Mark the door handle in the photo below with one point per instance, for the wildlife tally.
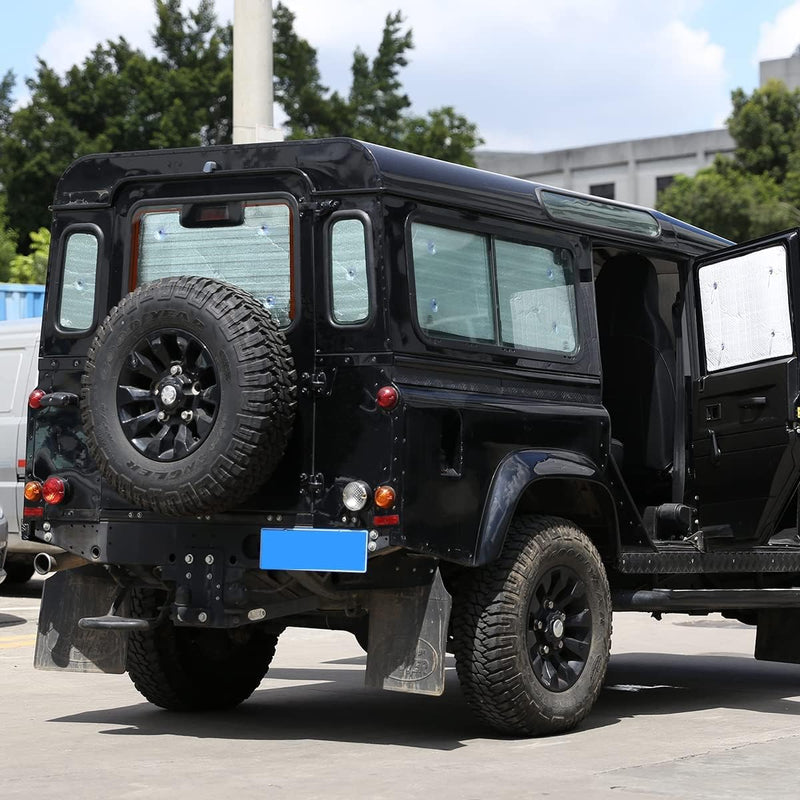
(716, 453)
(753, 402)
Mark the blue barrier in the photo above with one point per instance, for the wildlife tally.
(21, 300)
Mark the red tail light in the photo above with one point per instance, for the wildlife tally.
(35, 398)
(54, 490)
(387, 397)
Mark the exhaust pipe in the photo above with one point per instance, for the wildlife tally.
(44, 563)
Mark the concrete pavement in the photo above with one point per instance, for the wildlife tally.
(686, 713)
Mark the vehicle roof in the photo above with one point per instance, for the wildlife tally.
(337, 166)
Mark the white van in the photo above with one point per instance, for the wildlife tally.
(19, 351)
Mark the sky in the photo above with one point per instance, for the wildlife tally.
(534, 75)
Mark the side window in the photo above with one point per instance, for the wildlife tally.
(76, 305)
(453, 283)
(744, 302)
(349, 284)
(480, 288)
(536, 297)
(254, 253)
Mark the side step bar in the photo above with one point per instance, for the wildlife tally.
(704, 599)
(687, 560)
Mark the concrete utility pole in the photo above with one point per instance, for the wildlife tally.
(252, 73)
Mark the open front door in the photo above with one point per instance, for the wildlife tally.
(746, 447)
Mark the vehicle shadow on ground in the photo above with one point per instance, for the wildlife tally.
(10, 620)
(32, 588)
(332, 705)
(645, 684)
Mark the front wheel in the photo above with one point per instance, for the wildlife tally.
(532, 630)
(195, 669)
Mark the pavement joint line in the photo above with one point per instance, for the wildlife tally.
(19, 608)
(17, 637)
(712, 750)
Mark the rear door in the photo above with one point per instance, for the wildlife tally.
(745, 443)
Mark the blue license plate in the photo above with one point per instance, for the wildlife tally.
(314, 549)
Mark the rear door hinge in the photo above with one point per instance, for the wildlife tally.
(319, 208)
(312, 485)
(316, 382)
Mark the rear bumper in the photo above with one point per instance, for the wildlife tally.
(19, 546)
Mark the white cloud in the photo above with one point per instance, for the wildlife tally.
(532, 74)
(85, 23)
(780, 38)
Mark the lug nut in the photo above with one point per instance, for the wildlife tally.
(186, 416)
(175, 369)
(550, 604)
(161, 416)
(539, 625)
(545, 649)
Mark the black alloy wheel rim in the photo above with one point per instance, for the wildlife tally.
(559, 628)
(168, 395)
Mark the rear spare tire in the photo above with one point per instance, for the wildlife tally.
(188, 396)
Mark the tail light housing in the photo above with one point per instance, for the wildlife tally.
(54, 490)
(35, 398)
(387, 398)
(33, 491)
(384, 497)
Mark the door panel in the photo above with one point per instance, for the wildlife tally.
(745, 386)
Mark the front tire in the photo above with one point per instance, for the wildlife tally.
(532, 630)
(195, 669)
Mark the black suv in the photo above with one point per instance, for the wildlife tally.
(328, 384)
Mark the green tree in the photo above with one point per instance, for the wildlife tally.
(758, 190)
(376, 108)
(766, 128)
(731, 202)
(119, 99)
(32, 267)
(8, 243)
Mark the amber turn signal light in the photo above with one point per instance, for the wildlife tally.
(54, 490)
(33, 491)
(384, 497)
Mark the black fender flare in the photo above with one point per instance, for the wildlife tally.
(514, 474)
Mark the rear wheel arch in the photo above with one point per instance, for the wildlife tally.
(563, 484)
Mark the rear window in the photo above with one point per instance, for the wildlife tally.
(251, 249)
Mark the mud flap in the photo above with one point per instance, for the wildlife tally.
(407, 638)
(778, 635)
(60, 643)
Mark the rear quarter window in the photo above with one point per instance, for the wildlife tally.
(78, 284)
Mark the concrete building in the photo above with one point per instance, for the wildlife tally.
(633, 171)
(781, 69)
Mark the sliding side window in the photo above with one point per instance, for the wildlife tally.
(483, 289)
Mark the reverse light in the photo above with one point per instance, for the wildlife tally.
(35, 398)
(384, 497)
(355, 495)
(33, 491)
(54, 490)
(387, 398)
